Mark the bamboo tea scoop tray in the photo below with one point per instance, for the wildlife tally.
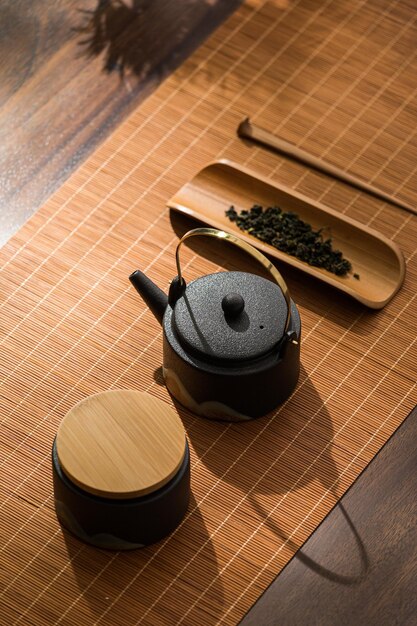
(377, 260)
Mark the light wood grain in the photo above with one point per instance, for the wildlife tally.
(121, 444)
(377, 260)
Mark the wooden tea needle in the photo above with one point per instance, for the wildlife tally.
(259, 135)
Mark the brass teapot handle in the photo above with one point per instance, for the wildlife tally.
(240, 243)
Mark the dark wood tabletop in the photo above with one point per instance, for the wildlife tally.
(359, 566)
(70, 72)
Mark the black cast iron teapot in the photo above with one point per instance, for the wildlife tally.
(231, 339)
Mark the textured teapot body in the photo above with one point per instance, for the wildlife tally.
(239, 386)
(231, 340)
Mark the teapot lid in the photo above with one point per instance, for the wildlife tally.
(230, 317)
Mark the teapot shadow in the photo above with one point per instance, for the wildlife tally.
(158, 376)
(103, 575)
(277, 455)
(298, 439)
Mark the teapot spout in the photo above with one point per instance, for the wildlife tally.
(154, 297)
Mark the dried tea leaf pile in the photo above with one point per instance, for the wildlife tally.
(287, 232)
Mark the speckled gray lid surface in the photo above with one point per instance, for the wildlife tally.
(205, 330)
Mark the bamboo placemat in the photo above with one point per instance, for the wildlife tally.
(338, 78)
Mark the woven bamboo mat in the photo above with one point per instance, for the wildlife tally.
(338, 78)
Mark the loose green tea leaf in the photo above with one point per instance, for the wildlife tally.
(285, 231)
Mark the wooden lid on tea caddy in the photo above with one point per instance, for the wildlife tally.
(121, 444)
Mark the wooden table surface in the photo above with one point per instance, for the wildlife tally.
(70, 72)
(67, 79)
(359, 566)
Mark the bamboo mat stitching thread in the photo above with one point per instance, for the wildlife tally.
(82, 547)
(355, 82)
(355, 118)
(413, 171)
(342, 96)
(294, 486)
(127, 211)
(126, 252)
(226, 566)
(308, 59)
(263, 475)
(327, 492)
(289, 445)
(198, 461)
(231, 607)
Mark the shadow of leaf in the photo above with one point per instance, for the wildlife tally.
(141, 37)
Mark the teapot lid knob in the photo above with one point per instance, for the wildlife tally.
(220, 234)
(233, 304)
